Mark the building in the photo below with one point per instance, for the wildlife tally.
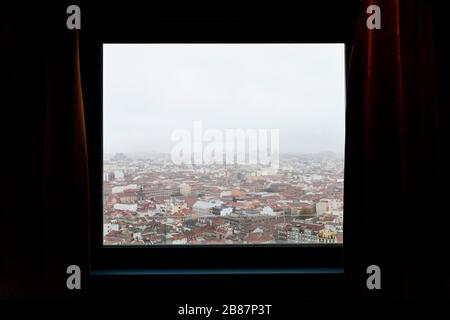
(226, 211)
(160, 193)
(108, 176)
(120, 189)
(119, 175)
(125, 207)
(327, 236)
(128, 196)
(108, 227)
(185, 189)
(268, 211)
(203, 208)
(323, 206)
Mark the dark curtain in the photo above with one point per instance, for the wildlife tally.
(396, 214)
(45, 214)
(66, 188)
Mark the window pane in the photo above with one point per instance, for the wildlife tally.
(234, 144)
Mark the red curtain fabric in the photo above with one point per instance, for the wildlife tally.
(393, 155)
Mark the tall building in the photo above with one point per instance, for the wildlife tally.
(322, 206)
(185, 189)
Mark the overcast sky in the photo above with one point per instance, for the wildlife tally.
(149, 90)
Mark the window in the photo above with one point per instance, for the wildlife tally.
(223, 144)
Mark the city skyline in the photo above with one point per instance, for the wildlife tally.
(147, 202)
(223, 144)
(152, 153)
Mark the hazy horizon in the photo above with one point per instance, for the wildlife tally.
(143, 155)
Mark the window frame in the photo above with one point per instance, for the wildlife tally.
(252, 258)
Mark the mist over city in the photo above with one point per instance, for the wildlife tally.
(223, 144)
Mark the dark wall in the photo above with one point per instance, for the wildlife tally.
(36, 50)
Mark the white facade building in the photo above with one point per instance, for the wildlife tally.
(125, 207)
(108, 227)
(268, 211)
(226, 211)
(120, 189)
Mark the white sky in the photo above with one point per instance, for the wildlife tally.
(149, 90)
